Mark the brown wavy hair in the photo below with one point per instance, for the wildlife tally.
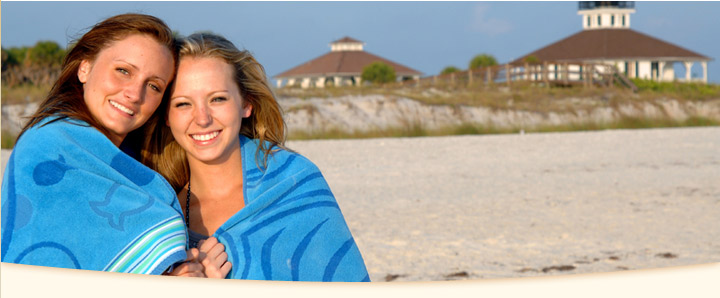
(164, 155)
(65, 99)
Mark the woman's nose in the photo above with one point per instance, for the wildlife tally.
(133, 92)
(202, 116)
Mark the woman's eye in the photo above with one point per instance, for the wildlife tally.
(156, 88)
(181, 104)
(219, 99)
(122, 71)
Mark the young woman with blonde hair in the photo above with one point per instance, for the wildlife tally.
(222, 148)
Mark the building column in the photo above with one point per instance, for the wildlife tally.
(305, 83)
(704, 67)
(667, 71)
(279, 83)
(688, 66)
(337, 81)
(358, 81)
(660, 71)
(320, 83)
(291, 82)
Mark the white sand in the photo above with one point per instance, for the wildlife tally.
(513, 205)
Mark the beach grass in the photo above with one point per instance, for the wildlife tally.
(7, 141)
(418, 130)
(24, 93)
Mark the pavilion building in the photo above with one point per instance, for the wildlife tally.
(607, 39)
(342, 66)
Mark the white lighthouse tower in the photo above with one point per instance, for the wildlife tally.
(606, 14)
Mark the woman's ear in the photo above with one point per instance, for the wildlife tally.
(83, 71)
(247, 110)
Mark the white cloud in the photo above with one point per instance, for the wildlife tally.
(488, 25)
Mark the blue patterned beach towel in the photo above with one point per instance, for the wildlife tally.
(72, 199)
(291, 227)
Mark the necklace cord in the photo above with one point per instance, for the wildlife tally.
(187, 208)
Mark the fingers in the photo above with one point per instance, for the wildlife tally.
(189, 269)
(207, 244)
(225, 269)
(221, 258)
(216, 250)
(193, 254)
(212, 252)
(214, 258)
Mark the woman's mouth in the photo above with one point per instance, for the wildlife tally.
(122, 108)
(206, 136)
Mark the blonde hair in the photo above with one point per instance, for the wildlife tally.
(163, 154)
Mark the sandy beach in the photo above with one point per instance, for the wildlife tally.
(493, 206)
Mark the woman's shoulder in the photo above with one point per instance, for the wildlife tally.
(57, 124)
(48, 129)
(56, 131)
(279, 156)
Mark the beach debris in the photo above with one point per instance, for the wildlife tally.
(667, 255)
(558, 268)
(461, 274)
(391, 277)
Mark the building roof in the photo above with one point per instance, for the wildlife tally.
(611, 44)
(343, 63)
(347, 39)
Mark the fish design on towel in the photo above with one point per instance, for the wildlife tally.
(291, 227)
(72, 199)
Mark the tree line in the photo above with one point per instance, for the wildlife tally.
(379, 72)
(40, 65)
(36, 65)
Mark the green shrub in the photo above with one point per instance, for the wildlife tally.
(685, 90)
(532, 59)
(8, 139)
(482, 60)
(449, 69)
(378, 72)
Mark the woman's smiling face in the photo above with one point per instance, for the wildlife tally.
(125, 83)
(206, 109)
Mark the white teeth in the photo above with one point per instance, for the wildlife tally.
(122, 108)
(205, 137)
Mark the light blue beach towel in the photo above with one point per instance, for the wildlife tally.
(291, 227)
(72, 199)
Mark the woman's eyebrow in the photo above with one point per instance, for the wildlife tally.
(155, 77)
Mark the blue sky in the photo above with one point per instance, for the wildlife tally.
(426, 36)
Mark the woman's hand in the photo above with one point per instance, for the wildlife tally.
(214, 258)
(191, 267)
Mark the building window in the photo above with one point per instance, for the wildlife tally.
(612, 20)
(588, 21)
(637, 69)
(599, 21)
(623, 20)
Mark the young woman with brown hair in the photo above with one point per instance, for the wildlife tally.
(70, 197)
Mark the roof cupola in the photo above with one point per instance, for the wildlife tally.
(346, 44)
(606, 14)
